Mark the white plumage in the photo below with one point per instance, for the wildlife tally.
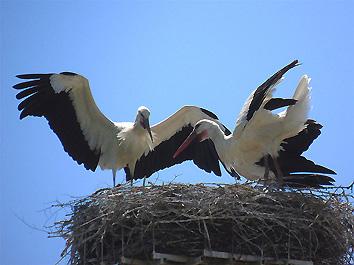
(268, 145)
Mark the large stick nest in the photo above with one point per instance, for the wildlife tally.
(186, 219)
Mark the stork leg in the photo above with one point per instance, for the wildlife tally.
(114, 172)
(129, 174)
(266, 170)
(234, 174)
(279, 173)
(144, 181)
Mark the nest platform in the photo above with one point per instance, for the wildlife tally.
(208, 224)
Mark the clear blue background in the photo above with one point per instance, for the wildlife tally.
(162, 54)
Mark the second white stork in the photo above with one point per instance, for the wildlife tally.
(92, 139)
(267, 145)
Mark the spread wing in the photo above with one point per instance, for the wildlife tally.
(65, 100)
(261, 99)
(169, 135)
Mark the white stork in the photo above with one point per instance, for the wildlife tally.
(265, 144)
(90, 138)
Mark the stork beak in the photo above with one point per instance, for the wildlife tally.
(146, 126)
(185, 144)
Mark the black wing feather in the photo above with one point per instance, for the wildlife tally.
(307, 180)
(302, 141)
(291, 161)
(261, 92)
(276, 103)
(26, 92)
(213, 115)
(34, 76)
(203, 154)
(41, 100)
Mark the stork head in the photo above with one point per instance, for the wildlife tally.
(201, 131)
(142, 119)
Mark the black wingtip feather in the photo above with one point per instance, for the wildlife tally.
(209, 113)
(33, 76)
(27, 92)
(26, 84)
(326, 170)
(22, 115)
(68, 73)
(314, 124)
(261, 91)
(276, 103)
(308, 181)
(27, 102)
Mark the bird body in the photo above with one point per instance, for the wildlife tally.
(265, 132)
(92, 139)
(259, 146)
(122, 150)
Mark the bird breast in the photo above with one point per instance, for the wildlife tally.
(130, 144)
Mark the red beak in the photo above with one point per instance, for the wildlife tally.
(185, 144)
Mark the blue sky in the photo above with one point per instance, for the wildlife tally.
(161, 54)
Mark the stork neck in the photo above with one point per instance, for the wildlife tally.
(217, 135)
(137, 127)
(137, 124)
(222, 142)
